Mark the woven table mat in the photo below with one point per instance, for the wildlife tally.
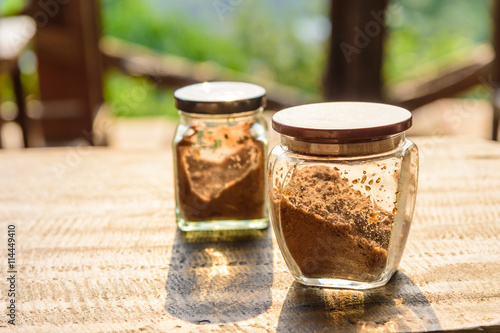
(97, 249)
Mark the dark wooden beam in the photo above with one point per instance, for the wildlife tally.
(474, 69)
(173, 72)
(496, 69)
(22, 118)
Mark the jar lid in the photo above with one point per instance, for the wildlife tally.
(341, 121)
(220, 97)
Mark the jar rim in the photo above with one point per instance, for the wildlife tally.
(343, 149)
(339, 122)
(221, 97)
(232, 115)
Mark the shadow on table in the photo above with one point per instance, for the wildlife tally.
(398, 306)
(221, 276)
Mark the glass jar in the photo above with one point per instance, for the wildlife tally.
(342, 186)
(219, 151)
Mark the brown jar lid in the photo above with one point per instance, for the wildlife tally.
(341, 121)
(220, 97)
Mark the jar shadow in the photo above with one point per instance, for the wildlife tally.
(220, 276)
(398, 306)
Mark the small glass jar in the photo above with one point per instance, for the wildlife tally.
(342, 186)
(219, 148)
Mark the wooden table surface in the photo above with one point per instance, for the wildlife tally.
(97, 249)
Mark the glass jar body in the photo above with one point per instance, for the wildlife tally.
(219, 163)
(342, 212)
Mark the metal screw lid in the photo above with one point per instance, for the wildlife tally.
(220, 97)
(339, 122)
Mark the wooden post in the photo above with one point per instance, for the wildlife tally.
(495, 85)
(356, 50)
(21, 118)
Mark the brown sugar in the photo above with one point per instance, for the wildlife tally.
(223, 181)
(332, 230)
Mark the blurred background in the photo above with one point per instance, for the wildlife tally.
(103, 72)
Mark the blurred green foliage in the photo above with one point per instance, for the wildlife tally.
(245, 36)
(136, 97)
(260, 37)
(11, 7)
(426, 35)
(281, 40)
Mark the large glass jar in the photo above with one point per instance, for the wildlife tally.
(342, 186)
(220, 147)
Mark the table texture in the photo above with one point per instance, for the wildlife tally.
(97, 249)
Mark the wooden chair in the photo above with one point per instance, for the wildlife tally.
(69, 68)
